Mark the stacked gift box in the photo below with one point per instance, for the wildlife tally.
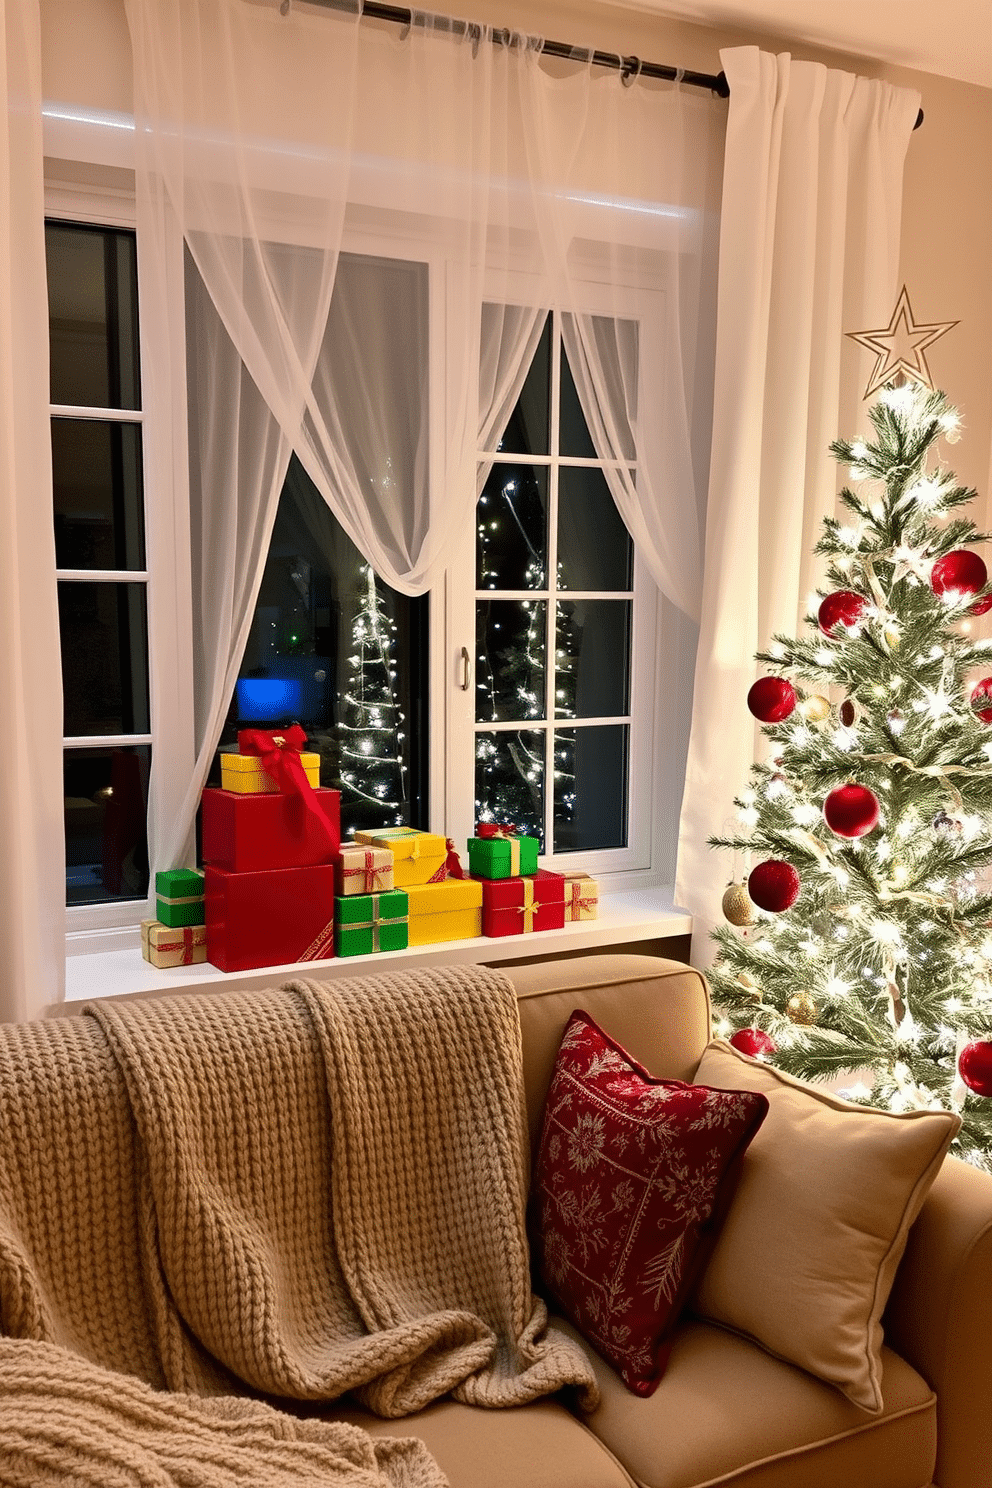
(271, 837)
(518, 897)
(410, 890)
(178, 936)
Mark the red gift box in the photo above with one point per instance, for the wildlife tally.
(271, 918)
(515, 906)
(248, 833)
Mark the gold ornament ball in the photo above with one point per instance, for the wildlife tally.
(750, 986)
(801, 1008)
(737, 906)
(815, 708)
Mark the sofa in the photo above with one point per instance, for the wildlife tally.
(726, 1410)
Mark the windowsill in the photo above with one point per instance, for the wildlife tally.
(644, 914)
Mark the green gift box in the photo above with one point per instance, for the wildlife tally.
(510, 856)
(179, 897)
(364, 923)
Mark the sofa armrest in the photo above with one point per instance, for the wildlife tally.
(939, 1318)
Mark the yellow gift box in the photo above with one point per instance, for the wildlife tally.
(244, 774)
(581, 897)
(445, 911)
(173, 945)
(418, 857)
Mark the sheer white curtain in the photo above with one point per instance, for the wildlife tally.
(809, 243)
(268, 142)
(629, 205)
(265, 141)
(32, 905)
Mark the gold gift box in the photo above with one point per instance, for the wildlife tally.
(417, 856)
(244, 774)
(451, 910)
(173, 945)
(581, 897)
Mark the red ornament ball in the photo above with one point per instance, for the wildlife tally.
(773, 886)
(752, 1041)
(771, 699)
(851, 810)
(981, 700)
(843, 607)
(975, 1066)
(981, 606)
(958, 573)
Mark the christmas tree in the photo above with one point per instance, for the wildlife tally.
(860, 940)
(372, 771)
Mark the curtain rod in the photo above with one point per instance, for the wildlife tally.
(628, 67)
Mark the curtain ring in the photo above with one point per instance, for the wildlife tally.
(475, 31)
(406, 28)
(679, 75)
(630, 69)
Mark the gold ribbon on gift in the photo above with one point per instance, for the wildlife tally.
(528, 909)
(375, 926)
(487, 831)
(316, 948)
(369, 872)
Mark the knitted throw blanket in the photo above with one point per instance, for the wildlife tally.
(310, 1191)
(66, 1423)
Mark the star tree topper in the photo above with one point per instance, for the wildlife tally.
(900, 346)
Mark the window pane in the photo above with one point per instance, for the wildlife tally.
(509, 659)
(592, 658)
(509, 780)
(590, 796)
(106, 845)
(511, 551)
(99, 511)
(594, 546)
(573, 437)
(526, 432)
(333, 648)
(93, 311)
(104, 658)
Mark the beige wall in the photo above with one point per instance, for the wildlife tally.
(947, 217)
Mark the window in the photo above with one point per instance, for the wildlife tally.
(545, 613)
(102, 574)
(553, 606)
(335, 649)
(558, 630)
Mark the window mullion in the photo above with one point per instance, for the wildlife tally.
(551, 677)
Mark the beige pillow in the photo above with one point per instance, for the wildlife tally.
(810, 1246)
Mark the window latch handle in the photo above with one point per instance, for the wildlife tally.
(466, 669)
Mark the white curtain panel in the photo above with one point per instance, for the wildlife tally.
(809, 249)
(284, 148)
(266, 142)
(629, 210)
(32, 905)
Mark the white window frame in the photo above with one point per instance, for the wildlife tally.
(451, 744)
(632, 866)
(167, 577)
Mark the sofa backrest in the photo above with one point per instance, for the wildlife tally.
(659, 1010)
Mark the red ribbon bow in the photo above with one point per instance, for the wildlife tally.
(280, 757)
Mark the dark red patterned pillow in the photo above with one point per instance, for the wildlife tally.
(633, 1178)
